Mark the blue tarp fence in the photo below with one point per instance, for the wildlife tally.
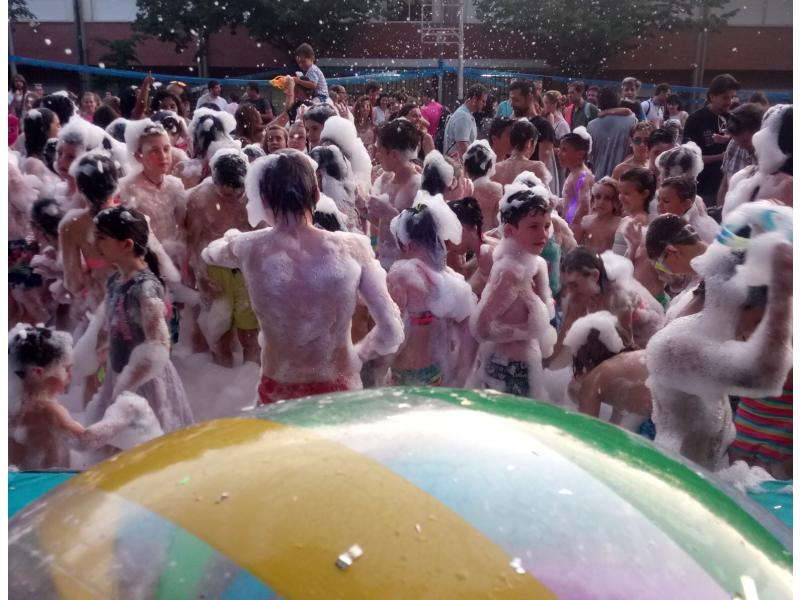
(490, 77)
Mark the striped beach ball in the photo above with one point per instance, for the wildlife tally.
(398, 493)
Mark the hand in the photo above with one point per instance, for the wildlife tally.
(378, 206)
(149, 80)
(720, 138)
(633, 234)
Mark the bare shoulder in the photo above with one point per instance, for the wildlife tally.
(357, 245)
(71, 222)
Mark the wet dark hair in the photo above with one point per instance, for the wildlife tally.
(667, 230)
(523, 131)
(498, 126)
(644, 180)
(104, 116)
(420, 227)
(46, 214)
(328, 161)
(521, 85)
(49, 153)
(36, 130)
(608, 97)
(326, 221)
(590, 354)
(583, 261)
(521, 204)
(100, 184)
(469, 213)
(203, 137)
(578, 85)
(155, 102)
(304, 51)
(61, 105)
(684, 185)
(432, 181)
(288, 184)
(723, 83)
(229, 170)
(212, 83)
(576, 141)
(477, 161)
(398, 134)
(407, 108)
(785, 139)
(34, 346)
(659, 136)
(254, 151)
(319, 113)
(122, 223)
(372, 85)
(170, 120)
(476, 91)
(745, 118)
(127, 101)
(117, 131)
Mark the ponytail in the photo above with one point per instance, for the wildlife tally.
(152, 263)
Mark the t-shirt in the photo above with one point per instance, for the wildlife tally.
(652, 111)
(262, 104)
(504, 109)
(579, 115)
(207, 99)
(432, 113)
(700, 128)
(315, 75)
(461, 127)
(610, 141)
(736, 158)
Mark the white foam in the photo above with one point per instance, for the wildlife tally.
(326, 205)
(448, 227)
(765, 141)
(584, 133)
(434, 161)
(342, 133)
(743, 477)
(490, 158)
(689, 148)
(606, 325)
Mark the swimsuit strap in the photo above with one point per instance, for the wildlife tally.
(423, 318)
(573, 206)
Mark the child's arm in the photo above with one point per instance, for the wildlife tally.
(498, 296)
(70, 251)
(283, 118)
(142, 97)
(309, 85)
(387, 335)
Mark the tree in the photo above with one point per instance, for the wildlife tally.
(18, 11)
(579, 36)
(121, 53)
(196, 22)
(325, 24)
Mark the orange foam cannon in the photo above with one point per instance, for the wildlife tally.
(280, 82)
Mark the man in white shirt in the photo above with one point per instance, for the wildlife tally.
(461, 129)
(654, 108)
(212, 96)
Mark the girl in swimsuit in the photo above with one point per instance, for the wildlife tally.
(135, 319)
(573, 152)
(434, 300)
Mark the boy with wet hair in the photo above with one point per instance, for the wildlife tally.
(314, 120)
(305, 352)
(305, 57)
(500, 136)
(512, 320)
(479, 166)
(396, 146)
(213, 207)
(523, 139)
(152, 191)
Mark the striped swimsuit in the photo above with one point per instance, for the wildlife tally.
(764, 426)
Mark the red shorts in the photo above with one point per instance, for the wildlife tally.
(270, 391)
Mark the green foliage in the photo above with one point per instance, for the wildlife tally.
(18, 11)
(121, 53)
(579, 36)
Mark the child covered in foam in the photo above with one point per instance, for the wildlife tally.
(512, 319)
(696, 361)
(434, 300)
(605, 372)
(151, 190)
(479, 166)
(209, 130)
(294, 266)
(41, 430)
(213, 207)
(337, 182)
(395, 148)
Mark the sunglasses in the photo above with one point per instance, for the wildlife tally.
(638, 141)
(659, 264)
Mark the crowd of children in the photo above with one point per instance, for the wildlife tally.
(338, 249)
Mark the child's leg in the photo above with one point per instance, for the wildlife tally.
(251, 351)
(245, 320)
(223, 350)
(199, 342)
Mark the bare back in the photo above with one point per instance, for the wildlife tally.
(507, 170)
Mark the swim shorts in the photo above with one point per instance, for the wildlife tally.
(663, 299)
(231, 285)
(270, 391)
(430, 375)
(513, 374)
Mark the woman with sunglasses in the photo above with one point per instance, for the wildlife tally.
(639, 155)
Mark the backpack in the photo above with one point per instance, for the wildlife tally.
(438, 142)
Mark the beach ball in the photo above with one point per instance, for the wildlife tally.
(398, 493)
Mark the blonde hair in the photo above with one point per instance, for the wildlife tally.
(614, 185)
(647, 126)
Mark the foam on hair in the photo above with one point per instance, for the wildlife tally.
(686, 159)
(437, 173)
(342, 133)
(606, 325)
(479, 159)
(229, 167)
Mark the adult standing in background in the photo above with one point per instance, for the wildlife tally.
(16, 96)
(461, 129)
(253, 96)
(578, 112)
(610, 134)
(431, 111)
(212, 96)
(707, 128)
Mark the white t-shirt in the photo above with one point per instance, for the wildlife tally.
(652, 111)
(219, 101)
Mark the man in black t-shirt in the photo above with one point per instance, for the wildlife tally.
(707, 128)
(263, 105)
